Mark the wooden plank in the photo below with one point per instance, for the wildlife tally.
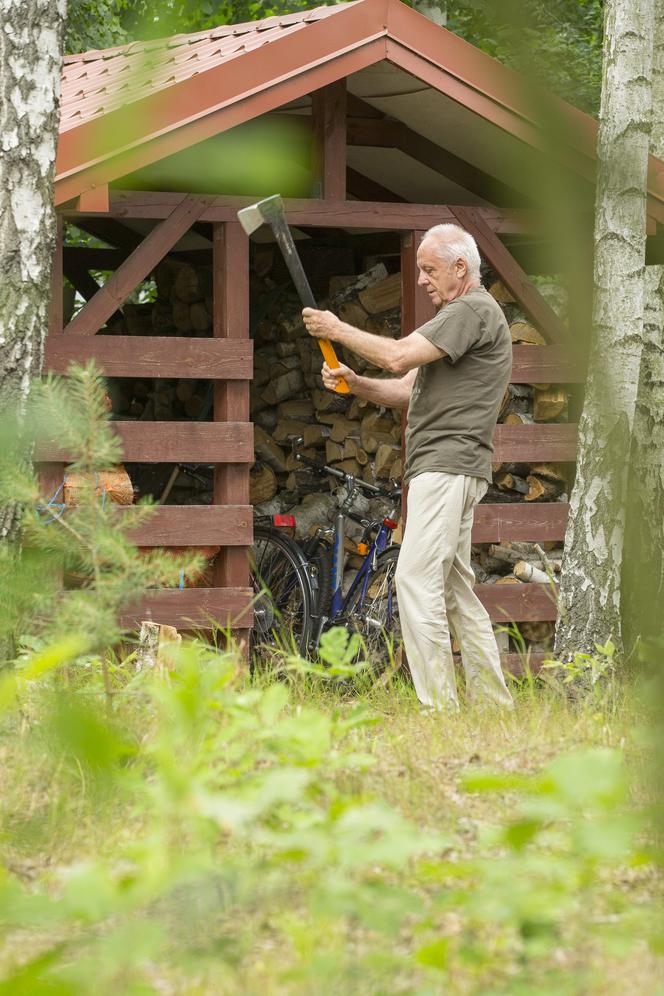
(518, 602)
(312, 211)
(174, 442)
(509, 271)
(516, 664)
(329, 118)
(527, 521)
(56, 302)
(193, 608)
(546, 365)
(95, 199)
(195, 525)
(137, 266)
(533, 443)
(366, 189)
(416, 306)
(230, 283)
(383, 132)
(154, 356)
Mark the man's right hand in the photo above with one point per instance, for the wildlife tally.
(331, 376)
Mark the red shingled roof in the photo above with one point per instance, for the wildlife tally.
(94, 83)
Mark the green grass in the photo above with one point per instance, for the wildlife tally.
(288, 900)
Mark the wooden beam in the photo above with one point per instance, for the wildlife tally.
(56, 301)
(173, 442)
(546, 365)
(520, 521)
(154, 356)
(230, 322)
(515, 664)
(95, 199)
(95, 259)
(509, 271)
(534, 443)
(416, 306)
(335, 214)
(111, 231)
(194, 525)
(518, 602)
(328, 106)
(193, 608)
(137, 266)
(366, 189)
(391, 133)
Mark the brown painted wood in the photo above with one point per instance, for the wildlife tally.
(391, 133)
(365, 189)
(545, 365)
(193, 608)
(509, 271)
(95, 199)
(137, 266)
(416, 306)
(154, 356)
(518, 602)
(313, 212)
(532, 443)
(520, 521)
(56, 303)
(195, 525)
(516, 664)
(174, 442)
(111, 231)
(328, 107)
(230, 281)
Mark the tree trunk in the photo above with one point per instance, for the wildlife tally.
(590, 594)
(30, 66)
(643, 571)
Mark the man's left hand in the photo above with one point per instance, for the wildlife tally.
(320, 324)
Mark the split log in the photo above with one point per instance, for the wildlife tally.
(500, 293)
(301, 408)
(348, 467)
(549, 403)
(510, 482)
(191, 283)
(199, 318)
(262, 483)
(537, 632)
(182, 317)
(285, 348)
(328, 401)
(382, 296)
(283, 387)
(388, 324)
(342, 427)
(543, 489)
(269, 451)
(526, 334)
(529, 573)
(353, 314)
(153, 641)
(386, 457)
(114, 485)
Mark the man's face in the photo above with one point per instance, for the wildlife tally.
(441, 280)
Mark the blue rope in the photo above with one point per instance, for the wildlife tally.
(181, 585)
(53, 504)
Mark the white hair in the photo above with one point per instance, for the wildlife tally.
(452, 243)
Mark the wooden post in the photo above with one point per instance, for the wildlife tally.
(329, 115)
(230, 276)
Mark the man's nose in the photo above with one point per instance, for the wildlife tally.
(421, 279)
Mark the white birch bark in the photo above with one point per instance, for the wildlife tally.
(590, 591)
(31, 39)
(643, 573)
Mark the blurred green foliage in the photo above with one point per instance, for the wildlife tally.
(563, 37)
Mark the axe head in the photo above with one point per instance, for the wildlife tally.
(260, 213)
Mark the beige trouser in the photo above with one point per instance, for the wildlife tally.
(435, 589)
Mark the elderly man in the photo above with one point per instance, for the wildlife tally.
(451, 374)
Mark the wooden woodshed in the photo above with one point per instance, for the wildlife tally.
(413, 126)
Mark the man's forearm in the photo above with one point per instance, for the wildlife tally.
(393, 392)
(377, 349)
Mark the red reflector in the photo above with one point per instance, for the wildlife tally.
(390, 523)
(283, 520)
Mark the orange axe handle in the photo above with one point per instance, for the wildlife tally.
(327, 349)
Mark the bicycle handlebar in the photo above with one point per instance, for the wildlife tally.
(363, 485)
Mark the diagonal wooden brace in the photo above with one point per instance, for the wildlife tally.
(514, 278)
(137, 266)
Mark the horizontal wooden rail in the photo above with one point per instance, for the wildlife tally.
(532, 443)
(543, 521)
(518, 602)
(193, 608)
(195, 525)
(545, 365)
(516, 663)
(153, 356)
(173, 442)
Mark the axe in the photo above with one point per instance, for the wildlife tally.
(270, 211)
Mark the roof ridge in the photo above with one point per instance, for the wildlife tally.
(244, 27)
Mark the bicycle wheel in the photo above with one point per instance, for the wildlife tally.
(375, 616)
(282, 593)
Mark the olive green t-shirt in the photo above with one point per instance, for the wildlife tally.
(456, 399)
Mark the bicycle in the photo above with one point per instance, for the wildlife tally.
(370, 606)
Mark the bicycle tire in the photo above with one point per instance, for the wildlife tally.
(376, 616)
(282, 593)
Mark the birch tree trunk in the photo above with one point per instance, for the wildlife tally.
(31, 39)
(590, 591)
(643, 572)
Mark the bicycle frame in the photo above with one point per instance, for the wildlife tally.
(378, 546)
